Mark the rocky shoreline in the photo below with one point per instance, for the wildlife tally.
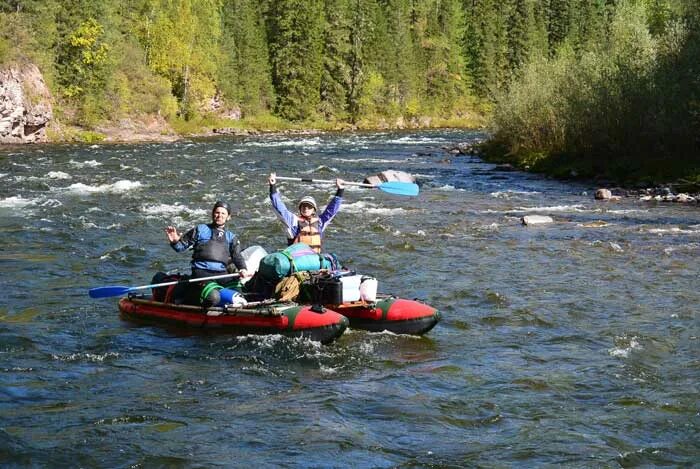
(662, 193)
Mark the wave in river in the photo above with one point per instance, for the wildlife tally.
(120, 187)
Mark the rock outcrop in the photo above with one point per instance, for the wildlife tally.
(25, 105)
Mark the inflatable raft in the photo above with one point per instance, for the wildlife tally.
(322, 324)
(391, 314)
(320, 306)
(292, 320)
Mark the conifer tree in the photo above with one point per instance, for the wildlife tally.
(559, 23)
(519, 33)
(244, 75)
(295, 35)
(336, 76)
(486, 45)
(359, 27)
(441, 46)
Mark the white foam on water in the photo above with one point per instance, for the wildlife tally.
(364, 160)
(674, 230)
(320, 168)
(364, 207)
(303, 142)
(91, 357)
(626, 211)
(51, 203)
(58, 175)
(89, 224)
(507, 194)
(84, 164)
(327, 370)
(16, 202)
(449, 188)
(118, 187)
(124, 167)
(684, 247)
(172, 209)
(412, 140)
(2, 175)
(554, 208)
(624, 350)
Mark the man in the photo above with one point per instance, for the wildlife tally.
(216, 250)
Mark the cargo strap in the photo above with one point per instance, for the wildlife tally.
(208, 288)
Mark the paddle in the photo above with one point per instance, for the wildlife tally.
(391, 187)
(114, 290)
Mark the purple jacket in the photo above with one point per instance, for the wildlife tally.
(291, 221)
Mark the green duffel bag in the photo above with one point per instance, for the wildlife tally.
(298, 257)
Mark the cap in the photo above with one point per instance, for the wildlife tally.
(220, 203)
(308, 200)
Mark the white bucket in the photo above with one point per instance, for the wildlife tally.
(368, 289)
(252, 256)
(351, 287)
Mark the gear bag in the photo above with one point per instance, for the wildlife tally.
(289, 288)
(296, 258)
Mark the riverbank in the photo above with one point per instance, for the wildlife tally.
(156, 129)
(643, 185)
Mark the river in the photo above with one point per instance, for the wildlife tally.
(569, 344)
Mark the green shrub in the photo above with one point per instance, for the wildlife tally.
(620, 109)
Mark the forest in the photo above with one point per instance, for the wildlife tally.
(571, 87)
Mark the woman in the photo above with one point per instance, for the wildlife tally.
(306, 227)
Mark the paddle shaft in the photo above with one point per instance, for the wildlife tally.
(361, 184)
(114, 290)
(165, 284)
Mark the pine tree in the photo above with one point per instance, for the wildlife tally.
(486, 45)
(559, 23)
(295, 35)
(359, 27)
(244, 75)
(441, 51)
(335, 80)
(519, 33)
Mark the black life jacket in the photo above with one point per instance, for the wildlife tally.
(212, 244)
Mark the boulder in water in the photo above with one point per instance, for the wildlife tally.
(389, 176)
(537, 220)
(603, 194)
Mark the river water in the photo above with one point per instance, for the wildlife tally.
(569, 344)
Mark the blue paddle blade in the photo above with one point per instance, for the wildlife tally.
(399, 188)
(105, 292)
